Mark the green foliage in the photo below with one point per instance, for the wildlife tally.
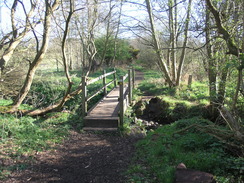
(30, 133)
(197, 92)
(162, 150)
(124, 51)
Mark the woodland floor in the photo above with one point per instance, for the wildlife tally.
(82, 158)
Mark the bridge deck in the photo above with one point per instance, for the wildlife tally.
(104, 115)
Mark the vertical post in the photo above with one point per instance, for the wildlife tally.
(115, 84)
(84, 97)
(130, 86)
(133, 77)
(121, 101)
(189, 81)
(104, 83)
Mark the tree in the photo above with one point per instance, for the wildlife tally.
(170, 67)
(11, 40)
(124, 51)
(68, 94)
(49, 9)
(86, 29)
(231, 43)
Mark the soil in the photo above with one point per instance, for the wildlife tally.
(82, 158)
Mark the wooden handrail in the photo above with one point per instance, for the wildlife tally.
(86, 82)
(100, 77)
(99, 90)
(125, 94)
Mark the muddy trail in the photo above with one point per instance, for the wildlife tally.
(82, 158)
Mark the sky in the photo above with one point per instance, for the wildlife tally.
(130, 11)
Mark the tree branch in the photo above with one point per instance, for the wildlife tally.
(233, 49)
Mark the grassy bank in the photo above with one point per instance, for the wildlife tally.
(185, 139)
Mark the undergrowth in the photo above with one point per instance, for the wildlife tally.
(163, 149)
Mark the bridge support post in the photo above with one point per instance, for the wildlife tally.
(115, 83)
(130, 85)
(121, 101)
(189, 81)
(133, 77)
(104, 83)
(84, 97)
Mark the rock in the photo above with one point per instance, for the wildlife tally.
(181, 166)
(184, 175)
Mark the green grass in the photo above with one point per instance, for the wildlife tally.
(163, 149)
(21, 137)
(154, 85)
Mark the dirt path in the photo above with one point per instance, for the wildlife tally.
(84, 157)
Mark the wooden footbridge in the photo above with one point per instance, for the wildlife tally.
(108, 113)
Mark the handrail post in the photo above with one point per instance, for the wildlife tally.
(115, 83)
(84, 97)
(104, 83)
(121, 101)
(130, 86)
(189, 81)
(133, 77)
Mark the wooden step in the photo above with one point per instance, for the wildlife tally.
(101, 122)
(100, 129)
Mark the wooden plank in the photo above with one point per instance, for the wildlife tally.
(100, 77)
(107, 107)
(125, 77)
(94, 80)
(100, 129)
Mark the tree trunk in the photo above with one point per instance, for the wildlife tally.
(222, 86)
(238, 87)
(116, 34)
(183, 53)
(16, 38)
(230, 41)
(68, 94)
(39, 56)
(107, 34)
(172, 19)
(233, 49)
(211, 68)
(157, 48)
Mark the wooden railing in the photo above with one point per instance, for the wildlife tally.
(125, 93)
(85, 83)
